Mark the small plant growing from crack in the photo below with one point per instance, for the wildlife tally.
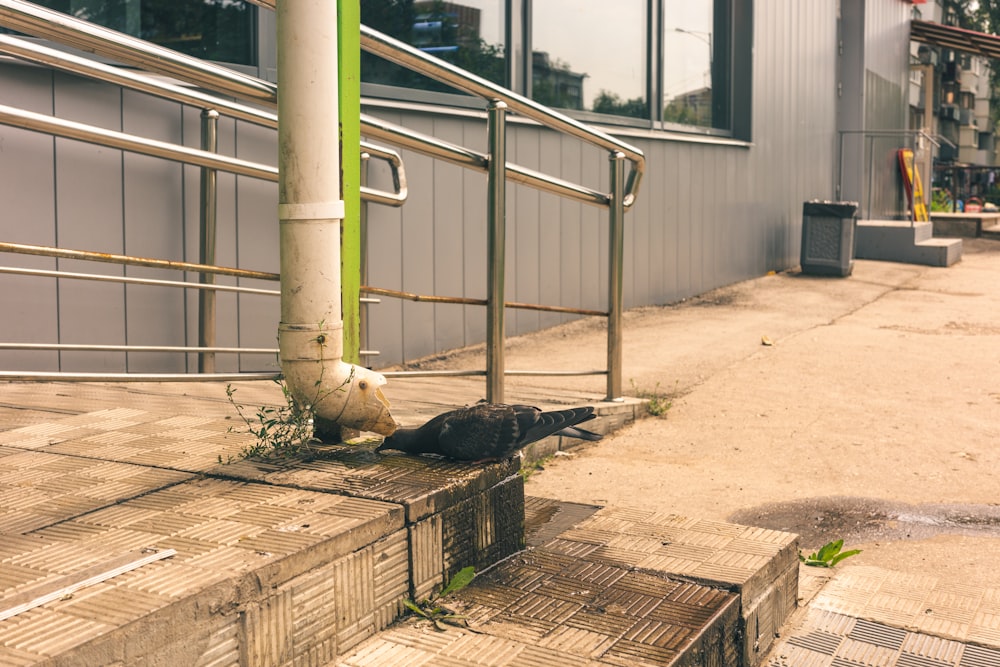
(282, 431)
(530, 468)
(437, 613)
(657, 402)
(829, 555)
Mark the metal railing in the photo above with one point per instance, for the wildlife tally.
(499, 102)
(41, 22)
(206, 157)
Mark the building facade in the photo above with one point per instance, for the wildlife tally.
(775, 86)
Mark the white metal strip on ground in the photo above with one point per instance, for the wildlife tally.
(55, 590)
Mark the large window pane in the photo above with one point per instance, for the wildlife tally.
(689, 45)
(590, 55)
(220, 30)
(469, 34)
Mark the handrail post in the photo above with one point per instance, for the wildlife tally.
(496, 218)
(616, 252)
(206, 253)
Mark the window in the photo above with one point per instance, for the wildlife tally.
(469, 34)
(222, 30)
(671, 64)
(590, 56)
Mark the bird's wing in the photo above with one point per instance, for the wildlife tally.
(481, 431)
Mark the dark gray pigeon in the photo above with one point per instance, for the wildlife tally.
(488, 431)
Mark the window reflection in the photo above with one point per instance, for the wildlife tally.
(220, 30)
(590, 56)
(688, 54)
(469, 34)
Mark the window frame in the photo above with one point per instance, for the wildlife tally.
(731, 83)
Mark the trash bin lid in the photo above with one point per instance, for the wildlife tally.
(830, 209)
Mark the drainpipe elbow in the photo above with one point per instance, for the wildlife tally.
(316, 375)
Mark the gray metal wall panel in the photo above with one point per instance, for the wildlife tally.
(385, 267)
(89, 186)
(523, 235)
(449, 327)
(417, 248)
(550, 238)
(474, 237)
(153, 219)
(28, 216)
(256, 213)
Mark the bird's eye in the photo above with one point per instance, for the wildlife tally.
(363, 385)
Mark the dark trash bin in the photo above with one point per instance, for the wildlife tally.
(828, 237)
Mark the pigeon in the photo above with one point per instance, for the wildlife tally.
(488, 431)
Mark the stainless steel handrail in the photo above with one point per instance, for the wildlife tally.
(37, 122)
(371, 126)
(49, 24)
(412, 58)
(466, 157)
(403, 54)
(68, 62)
(29, 120)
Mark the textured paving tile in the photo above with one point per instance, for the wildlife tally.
(578, 598)
(220, 529)
(878, 618)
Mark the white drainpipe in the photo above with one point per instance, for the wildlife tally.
(310, 209)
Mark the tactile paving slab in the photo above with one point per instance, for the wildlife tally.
(253, 562)
(829, 639)
(596, 589)
(871, 616)
(548, 609)
(760, 564)
(206, 443)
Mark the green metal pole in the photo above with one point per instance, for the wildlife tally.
(349, 41)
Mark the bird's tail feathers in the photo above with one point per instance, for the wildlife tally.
(583, 434)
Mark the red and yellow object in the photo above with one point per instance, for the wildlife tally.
(912, 184)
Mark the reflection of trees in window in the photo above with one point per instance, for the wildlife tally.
(210, 29)
(447, 30)
(554, 84)
(610, 103)
(690, 108)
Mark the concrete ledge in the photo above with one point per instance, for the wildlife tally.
(903, 241)
(969, 225)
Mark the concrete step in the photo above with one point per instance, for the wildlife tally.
(903, 241)
(607, 586)
(191, 561)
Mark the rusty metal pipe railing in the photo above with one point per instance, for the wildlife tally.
(129, 280)
(39, 376)
(63, 253)
(78, 347)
